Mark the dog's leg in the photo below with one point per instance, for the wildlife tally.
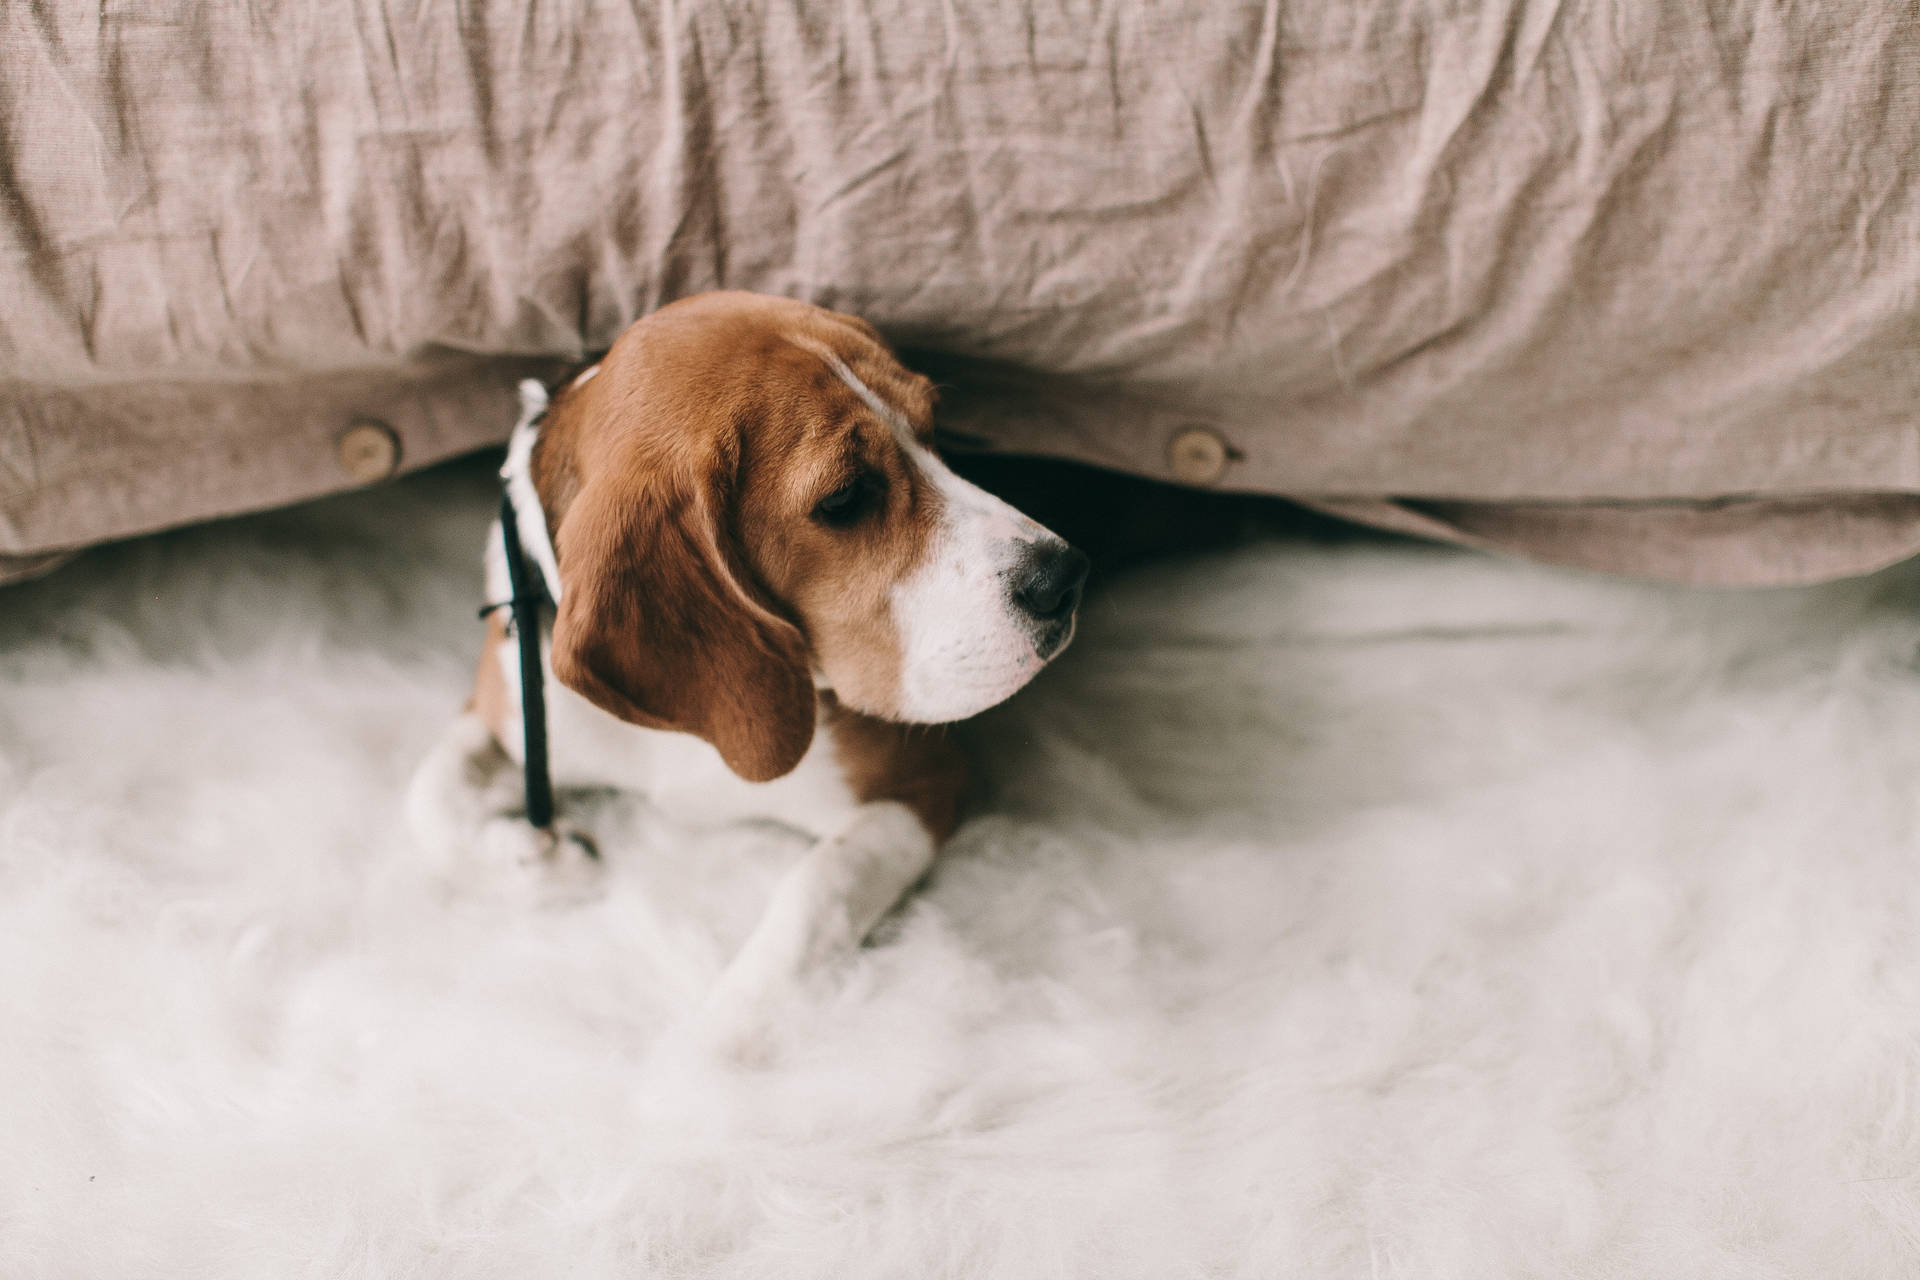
(466, 806)
(821, 910)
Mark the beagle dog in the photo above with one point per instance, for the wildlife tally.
(762, 578)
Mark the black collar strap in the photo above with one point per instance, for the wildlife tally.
(528, 595)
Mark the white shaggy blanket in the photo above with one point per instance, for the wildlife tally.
(1335, 911)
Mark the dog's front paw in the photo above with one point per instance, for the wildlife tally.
(553, 866)
(741, 1020)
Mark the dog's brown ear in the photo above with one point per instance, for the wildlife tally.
(658, 627)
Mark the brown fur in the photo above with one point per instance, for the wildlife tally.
(489, 700)
(917, 765)
(679, 485)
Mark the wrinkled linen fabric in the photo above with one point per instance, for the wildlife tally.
(1631, 285)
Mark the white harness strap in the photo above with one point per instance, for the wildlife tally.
(517, 472)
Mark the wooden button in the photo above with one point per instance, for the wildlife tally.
(1197, 455)
(368, 451)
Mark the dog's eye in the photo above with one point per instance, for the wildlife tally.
(846, 505)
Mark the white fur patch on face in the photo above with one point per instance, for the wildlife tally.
(518, 473)
(964, 644)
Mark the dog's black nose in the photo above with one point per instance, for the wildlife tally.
(1048, 584)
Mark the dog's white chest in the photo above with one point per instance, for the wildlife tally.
(678, 772)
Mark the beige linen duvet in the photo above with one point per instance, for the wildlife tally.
(1630, 285)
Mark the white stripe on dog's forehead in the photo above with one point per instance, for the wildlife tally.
(960, 495)
(895, 420)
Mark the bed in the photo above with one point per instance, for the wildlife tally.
(1632, 287)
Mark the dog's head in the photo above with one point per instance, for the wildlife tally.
(745, 506)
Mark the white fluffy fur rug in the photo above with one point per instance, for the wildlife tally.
(1336, 911)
